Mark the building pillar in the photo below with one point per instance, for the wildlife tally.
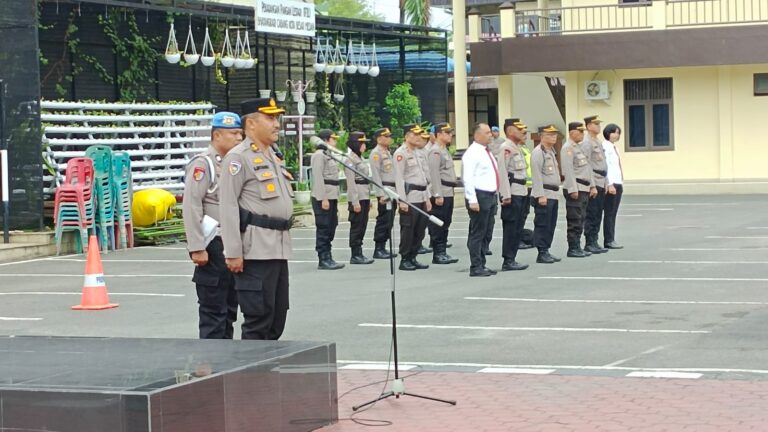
(725, 101)
(460, 105)
(572, 96)
(659, 14)
(475, 27)
(505, 82)
(507, 20)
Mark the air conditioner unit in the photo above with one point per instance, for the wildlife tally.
(596, 90)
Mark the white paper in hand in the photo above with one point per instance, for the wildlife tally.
(210, 229)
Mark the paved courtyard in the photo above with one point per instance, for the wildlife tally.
(678, 316)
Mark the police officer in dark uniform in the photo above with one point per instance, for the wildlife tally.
(325, 201)
(256, 216)
(215, 284)
(358, 197)
(578, 186)
(383, 172)
(413, 186)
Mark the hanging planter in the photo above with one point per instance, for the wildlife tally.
(338, 92)
(311, 96)
(207, 56)
(339, 60)
(362, 60)
(374, 70)
(240, 60)
(191, 57)
(246, 53)
(351, 67)
(265, 93)
(319, 64)
(330, 63)
(281, 95)
(172, 54)
(227, 58)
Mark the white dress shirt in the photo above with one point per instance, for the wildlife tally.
(479, 171)
(615, 174)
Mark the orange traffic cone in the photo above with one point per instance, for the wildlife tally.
(94, 289)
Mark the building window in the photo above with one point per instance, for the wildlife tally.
(648, 114)
(479, 106)
(761, 84)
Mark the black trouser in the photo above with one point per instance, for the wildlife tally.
(413, 226)
(594, 216)
(326, 222)
(384, 220)
(439, 234)
(358, 223)
(575, 215)
(262, 289)
(512, 222)
(544, 223)
(489, 231)
(611, 209)
(528, 205)
(216, 294)
(480, 222)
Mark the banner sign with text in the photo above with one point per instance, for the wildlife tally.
(288, 17)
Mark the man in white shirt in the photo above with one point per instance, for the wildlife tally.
(480, 175)
(615, 188)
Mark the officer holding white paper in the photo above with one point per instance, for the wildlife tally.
(215, 284)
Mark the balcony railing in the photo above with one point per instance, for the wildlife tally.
(683, 13)
(544, 22)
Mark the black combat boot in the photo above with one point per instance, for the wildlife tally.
(380, 252)
(327, 262)
(441, 257)
(358, 257)
(545, 258)
(574, 250)
(406, 264)
(594, 248)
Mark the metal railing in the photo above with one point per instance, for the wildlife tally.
(546, 22)
(684, 13)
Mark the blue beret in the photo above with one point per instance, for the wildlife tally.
(226, 120)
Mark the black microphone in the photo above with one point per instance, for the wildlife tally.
(321, 145)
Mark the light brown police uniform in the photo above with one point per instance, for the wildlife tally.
(382, 168)
(357, 186)
(512, 165)
(544, 171)
(576, 168)
(593, 148)
(410, 169)
(325, 177)
(201, 196)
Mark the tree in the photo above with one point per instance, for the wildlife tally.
(348, 9)
(417, 11)
(402, 107)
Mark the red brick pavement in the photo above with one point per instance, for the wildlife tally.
(527, 403)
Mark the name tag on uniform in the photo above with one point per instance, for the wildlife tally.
(411, 162)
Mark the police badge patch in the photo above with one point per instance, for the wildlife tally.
(234, 167)
(198, 174)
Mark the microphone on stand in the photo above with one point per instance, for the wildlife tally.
(321, 145)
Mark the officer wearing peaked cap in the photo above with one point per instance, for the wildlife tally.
(593, 147)
(412, 185)
(358, 197)
(325, 201)
(578, 186)
(256, 216)
(214, 283)
(382, 172)
(513, 193)
(546, 184)
(442, 183)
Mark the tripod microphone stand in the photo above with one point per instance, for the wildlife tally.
(397, 386)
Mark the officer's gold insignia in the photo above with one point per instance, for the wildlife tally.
(399, 158)
(258, 160)
(375, 157)
(271, 187)
(266, 174)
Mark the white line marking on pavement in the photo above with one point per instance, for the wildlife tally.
(19, 319)
(161, 247)
(757, 228)
(651, 374)
(28, 261)
(550, 329)
(377, 366)
(690, 279)
(649, 351)
(79, 275)
(573, 367)
(738, 237)
(684, 262)
(160, 261)
(717, 249)
(534, 300)
(78, 293)
(688, 226)
(630, 215)
(678, 204)
(656, 209)
(527, 371)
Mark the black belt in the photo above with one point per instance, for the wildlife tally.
(512, 179)
(388, 183)
(484, 192)
(409, 187)
(448, 183)
(552, 187)
(361, 181)
(331, 182)
(582, 182)
(278, 224)
(601, 172)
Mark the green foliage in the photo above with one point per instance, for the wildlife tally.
(302, 186)
(329, 114)
(402, 107)
(347, 9)
(364, 119)
(417, 11)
